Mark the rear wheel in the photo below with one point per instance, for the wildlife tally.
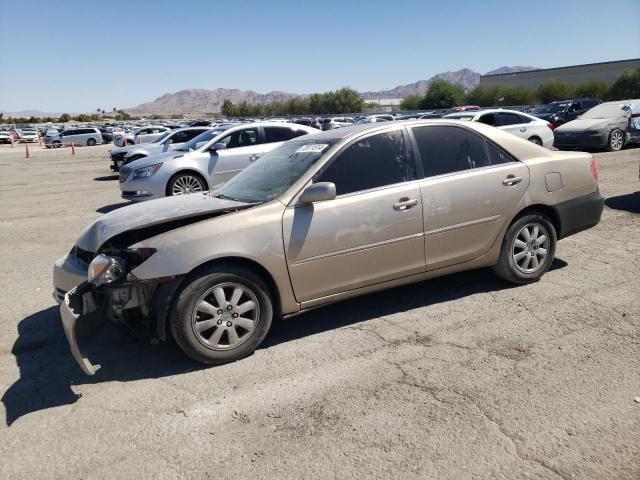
(535, 140)
(221, 315)
(528, 249)
(91, 142)
(186, 182)
(616, 140)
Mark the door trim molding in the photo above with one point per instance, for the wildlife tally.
(461, 225)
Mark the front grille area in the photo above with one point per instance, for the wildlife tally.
(118, 156)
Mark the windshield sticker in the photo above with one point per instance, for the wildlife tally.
(312, 147)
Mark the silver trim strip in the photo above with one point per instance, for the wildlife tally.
(457, 226)
(356, 249)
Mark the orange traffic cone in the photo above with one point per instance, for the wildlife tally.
(26, 151)
(73, 149)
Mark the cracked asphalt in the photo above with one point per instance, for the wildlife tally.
(455, 378)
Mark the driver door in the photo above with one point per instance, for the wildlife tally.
(243, 147)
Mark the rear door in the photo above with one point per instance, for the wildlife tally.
(243, 147)
(513, 123)
(370, 233)
(469, 190)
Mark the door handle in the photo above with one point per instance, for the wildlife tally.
(511, 180)
(254, 157)
(405, 203)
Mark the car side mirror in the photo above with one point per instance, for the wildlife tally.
(218, 146)
(318, 192)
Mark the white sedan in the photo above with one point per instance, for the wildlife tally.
(521, 124)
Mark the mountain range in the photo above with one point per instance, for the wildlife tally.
(210, 101)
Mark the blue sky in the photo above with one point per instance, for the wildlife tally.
(76, 56)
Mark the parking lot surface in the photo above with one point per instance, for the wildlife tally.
(459, 377)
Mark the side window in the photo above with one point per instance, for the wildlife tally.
(371, 162)
(178, 137)
(277, 134)
(447, 149)
(498, 156)
(188, 135)
(298, 133)
(241, 138)
(524, 119)
(489, 119)
(574, 107)
(509, 119)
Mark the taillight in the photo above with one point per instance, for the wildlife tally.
(594, 168)
(550, 125)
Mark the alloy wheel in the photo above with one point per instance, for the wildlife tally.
(530, 247)
(186, 184)
(616, 140)
(225, 316)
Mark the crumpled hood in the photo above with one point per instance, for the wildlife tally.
(155, 212)
(582, 124)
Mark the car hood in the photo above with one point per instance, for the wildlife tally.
(159, 157)
(582, 124)
(171, 211)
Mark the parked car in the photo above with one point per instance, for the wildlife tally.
(563, 111)
(374, 119)
(610, 125)
(521, 124)
(336, 122)
(7, 136)
(107, 135)
(167, 141)
(86, 136)
(29, 135)
(206, 162)
(322, 218)
(142, 135)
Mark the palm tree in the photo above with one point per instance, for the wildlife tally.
(98, 110)
(103, 112)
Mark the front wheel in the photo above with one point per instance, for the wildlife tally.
(184, 183)
(528, 249)
(616, 140)
(535, 140)
(221, 315)
(91, 142)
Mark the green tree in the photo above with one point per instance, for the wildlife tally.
(552, 90)
(65, 117)
(515, 96)
(411, 102)
(592, 89)
(626, 86)
(442, 94)
(228, 108)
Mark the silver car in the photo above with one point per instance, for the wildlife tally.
(167, 141)
(81, 136)
(323, 218)
(206, 162)
(141, 135)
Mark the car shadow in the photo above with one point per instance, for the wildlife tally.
(629, 202)
(112, 206)
(48, 371)
(106, 178)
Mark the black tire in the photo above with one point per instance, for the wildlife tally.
(91, 142)
(508, 268)
(183, 318)
(535, 140)
(179, 177)
(616, 140)
(57, 144)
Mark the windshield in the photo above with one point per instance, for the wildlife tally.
(198, 141)
(607, 110)
(553, 107)
(162, 137)
(275, 172)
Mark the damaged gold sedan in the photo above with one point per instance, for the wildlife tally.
(322, 218)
